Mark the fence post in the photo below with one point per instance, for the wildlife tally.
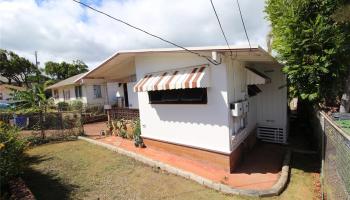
(323, 131)
(82, 122)
(41, 118)
(61, 118)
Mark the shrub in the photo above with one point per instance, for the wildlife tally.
(137, 134)
(62, 106)
(76, 105)
(11, 152)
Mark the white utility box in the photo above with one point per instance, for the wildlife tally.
(245, 106)
(236, 109)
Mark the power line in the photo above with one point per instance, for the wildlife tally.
(245, 30)
(148, 33)
(222, 30)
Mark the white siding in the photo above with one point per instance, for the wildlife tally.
(272, 101)
(132, 96)
(89, 88)
(204, 126)
(236, 76)
(252, 114)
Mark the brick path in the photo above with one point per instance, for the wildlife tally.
(259, 170)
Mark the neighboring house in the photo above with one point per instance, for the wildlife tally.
(6, 90)
(92, 92)
(194, 108)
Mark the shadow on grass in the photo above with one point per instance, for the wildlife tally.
(46, 185)
(306, 162)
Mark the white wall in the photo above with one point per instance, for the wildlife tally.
(272, 101)
(237, 87)
(252, 113)
(132, 96)
(114, 91)
(204, 126)
(90, 98)
(87, 94)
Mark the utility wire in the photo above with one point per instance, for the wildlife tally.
(245, 30)
(222, 30)
(148, 33)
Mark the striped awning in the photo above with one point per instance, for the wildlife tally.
(189, 77)
(255, 77)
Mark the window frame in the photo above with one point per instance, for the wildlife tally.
(180, 94)
(78, 91)
(99, 94)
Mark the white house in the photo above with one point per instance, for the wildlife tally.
(6, 90)
(199, 109)
(93, 92)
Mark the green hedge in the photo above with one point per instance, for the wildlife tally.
(11, 152)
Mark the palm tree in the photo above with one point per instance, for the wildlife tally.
(31, 98)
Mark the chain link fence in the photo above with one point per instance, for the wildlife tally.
(336, 160)
(46, 126)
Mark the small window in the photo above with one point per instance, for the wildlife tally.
(66, 94)
(180, 96)
(55, 94)
(78, 92)
(1, 97)
(97, 91)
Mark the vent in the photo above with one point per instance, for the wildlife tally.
(272, 134)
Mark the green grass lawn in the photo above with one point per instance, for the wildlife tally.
(345, 124)
(79, 170)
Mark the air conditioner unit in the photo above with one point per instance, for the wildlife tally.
(236, 109)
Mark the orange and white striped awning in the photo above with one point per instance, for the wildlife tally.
(189, 77)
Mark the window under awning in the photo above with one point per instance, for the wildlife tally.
(255, 77)
(189, 77)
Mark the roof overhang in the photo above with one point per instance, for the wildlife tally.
(121, 65)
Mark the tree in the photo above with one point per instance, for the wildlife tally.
(31, 98)
(312, 45)
(63, 70)
(16, 68)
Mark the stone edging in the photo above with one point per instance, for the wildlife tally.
(273, 191)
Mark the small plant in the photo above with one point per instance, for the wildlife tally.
(138, 141)
(117, 126)
(62, 106)
(123, 133)
(76, 105)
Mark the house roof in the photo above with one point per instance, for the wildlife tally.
(3, 79)
(69, 81)
(6, 86)
(121, 64)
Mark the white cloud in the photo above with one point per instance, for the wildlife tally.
(63, 30)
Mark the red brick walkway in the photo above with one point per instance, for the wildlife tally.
(259, 170)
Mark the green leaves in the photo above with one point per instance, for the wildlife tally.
(16, 68)
(314, 47)
(31, 98)
(63, 70)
